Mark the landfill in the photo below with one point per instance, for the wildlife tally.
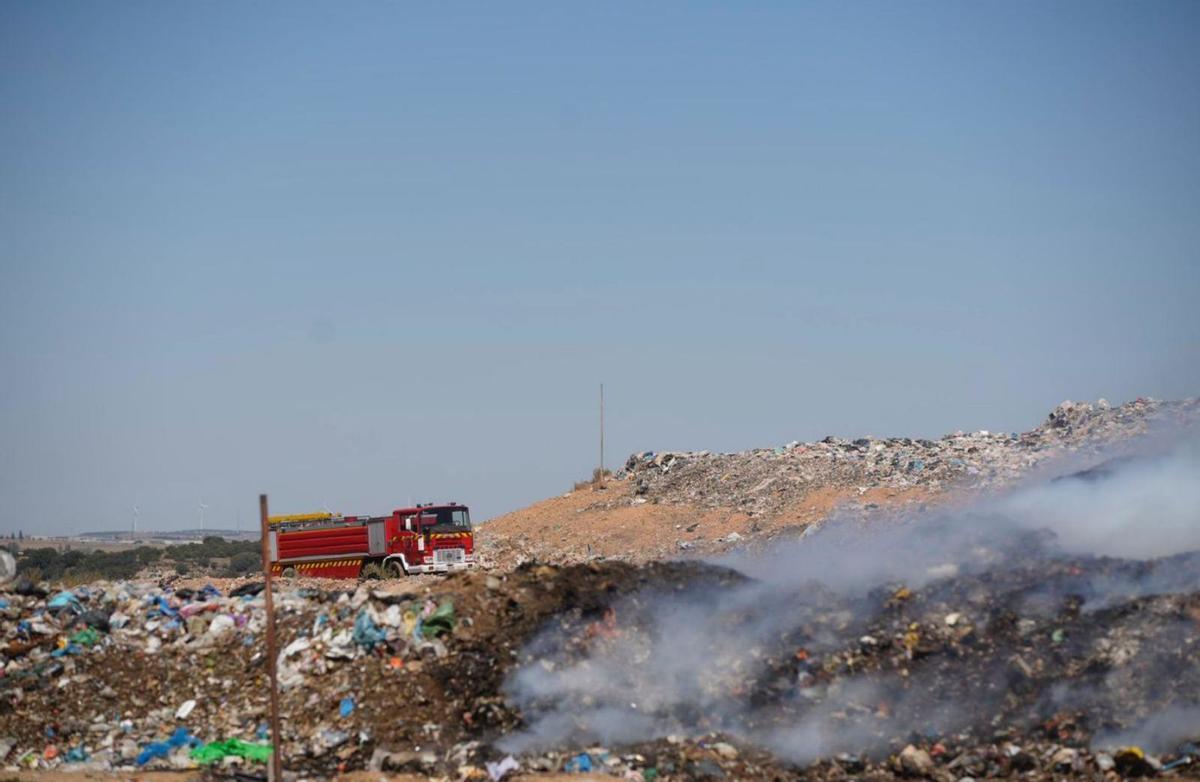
(958, 643)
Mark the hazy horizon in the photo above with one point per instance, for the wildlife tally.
(357, 257)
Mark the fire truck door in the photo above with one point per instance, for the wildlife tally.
(376, 538)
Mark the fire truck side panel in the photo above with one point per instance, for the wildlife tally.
(326, 542)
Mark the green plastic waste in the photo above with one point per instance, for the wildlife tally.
(87, 637)
(218, 750)
(440, 621)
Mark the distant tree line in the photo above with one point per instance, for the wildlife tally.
(213, 556)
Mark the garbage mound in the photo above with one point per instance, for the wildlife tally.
(379, 675)
(669, 504)
(1058, 666)
(768, 481)
(1000, 639)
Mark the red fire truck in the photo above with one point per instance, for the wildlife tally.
(424, 539)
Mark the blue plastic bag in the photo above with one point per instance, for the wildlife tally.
(366, 632)
(162, 749)
(581, 763)
(164, 607)
(64, 600)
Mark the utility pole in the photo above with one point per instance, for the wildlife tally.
(600, 477)
(272, 661)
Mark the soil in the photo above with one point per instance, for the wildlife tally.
(608, 522)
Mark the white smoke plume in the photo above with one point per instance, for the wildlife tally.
(1134, 508)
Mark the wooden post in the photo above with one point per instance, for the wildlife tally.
(272, 654)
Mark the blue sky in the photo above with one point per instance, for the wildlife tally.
(360, 254)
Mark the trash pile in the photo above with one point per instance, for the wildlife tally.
(137, 675)
(1047, 658)
(386, 676)
(1055, 667)
(772, 481)
(716, 757)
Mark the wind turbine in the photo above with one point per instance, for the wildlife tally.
(202, 507)
(137, 511)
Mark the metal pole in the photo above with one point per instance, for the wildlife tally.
(276, 772)
(601, 479)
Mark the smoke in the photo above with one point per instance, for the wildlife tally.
(735, 657)
(1136, 508)
(1160, 732)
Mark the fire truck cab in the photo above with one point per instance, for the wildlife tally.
(432, 539)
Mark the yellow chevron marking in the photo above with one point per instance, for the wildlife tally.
(300, 517)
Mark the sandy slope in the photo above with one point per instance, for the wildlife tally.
(613, 522)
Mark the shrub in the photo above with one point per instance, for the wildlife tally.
(47, 561)
(76, 566)
(245, 562)
(593, 481)
(147, 554)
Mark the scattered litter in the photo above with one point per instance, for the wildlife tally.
(498, 770)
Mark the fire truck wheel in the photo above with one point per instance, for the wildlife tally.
(288, 572)
(372, 572)
(396, 569)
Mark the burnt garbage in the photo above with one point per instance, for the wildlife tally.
(990, 641)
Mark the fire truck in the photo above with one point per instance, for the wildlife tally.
(423, 539)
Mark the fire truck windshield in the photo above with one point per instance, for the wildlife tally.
(447, 519)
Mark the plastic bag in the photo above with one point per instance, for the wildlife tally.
(218, 750)
(366, 632)
(440, 622)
